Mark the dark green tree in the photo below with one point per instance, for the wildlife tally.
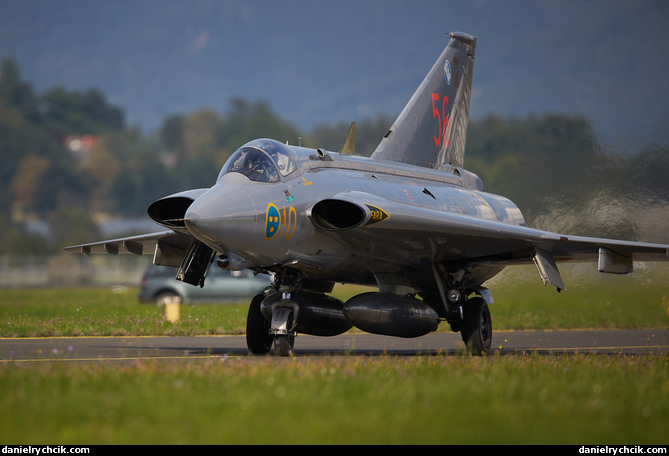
(79, 113)
(17, 94)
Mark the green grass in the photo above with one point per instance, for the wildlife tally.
(107, 312)
(580, 398)
(592, 299)
(511, 399)
(521, 302)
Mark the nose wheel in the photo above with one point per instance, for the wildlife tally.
(261, 334)
(283, 345)
(281, 329)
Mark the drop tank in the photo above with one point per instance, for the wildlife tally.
(391, 315)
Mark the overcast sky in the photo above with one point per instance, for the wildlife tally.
(316, 61)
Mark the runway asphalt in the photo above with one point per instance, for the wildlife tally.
(96, 349)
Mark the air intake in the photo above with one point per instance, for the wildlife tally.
(334, 214)
(171, 210)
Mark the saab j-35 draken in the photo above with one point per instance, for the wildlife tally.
(409, 221)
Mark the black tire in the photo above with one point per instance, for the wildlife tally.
(258, 339)
(476, 328)
(283, 345)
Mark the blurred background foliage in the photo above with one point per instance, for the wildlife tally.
(69, 159)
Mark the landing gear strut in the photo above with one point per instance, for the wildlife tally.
(470, 317)
(282, 326)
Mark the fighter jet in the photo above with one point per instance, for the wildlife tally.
(409, 221)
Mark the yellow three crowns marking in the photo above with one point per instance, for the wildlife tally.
(283, 222)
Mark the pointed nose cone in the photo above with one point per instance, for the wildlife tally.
(222, 216)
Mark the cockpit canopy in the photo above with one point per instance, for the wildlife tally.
(262, 160)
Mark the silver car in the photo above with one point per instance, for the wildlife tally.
(159, 283)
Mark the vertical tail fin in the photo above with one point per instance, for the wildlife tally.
(349, 145)
(431, 130)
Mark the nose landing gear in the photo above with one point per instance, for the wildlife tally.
(282, 326)
(261, 333)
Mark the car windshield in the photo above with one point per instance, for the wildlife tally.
(261, 161)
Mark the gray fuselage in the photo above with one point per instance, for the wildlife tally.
(238, 213)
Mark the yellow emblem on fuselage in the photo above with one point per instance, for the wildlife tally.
(280, 222)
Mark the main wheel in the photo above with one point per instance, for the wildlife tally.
(476, 327)
(258, 339)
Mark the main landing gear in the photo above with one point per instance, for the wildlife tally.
(468, 316)
(476, 326)
(273, 319)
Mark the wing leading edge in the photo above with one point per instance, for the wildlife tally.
(168, 247)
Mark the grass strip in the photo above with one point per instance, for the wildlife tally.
(510, 399)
